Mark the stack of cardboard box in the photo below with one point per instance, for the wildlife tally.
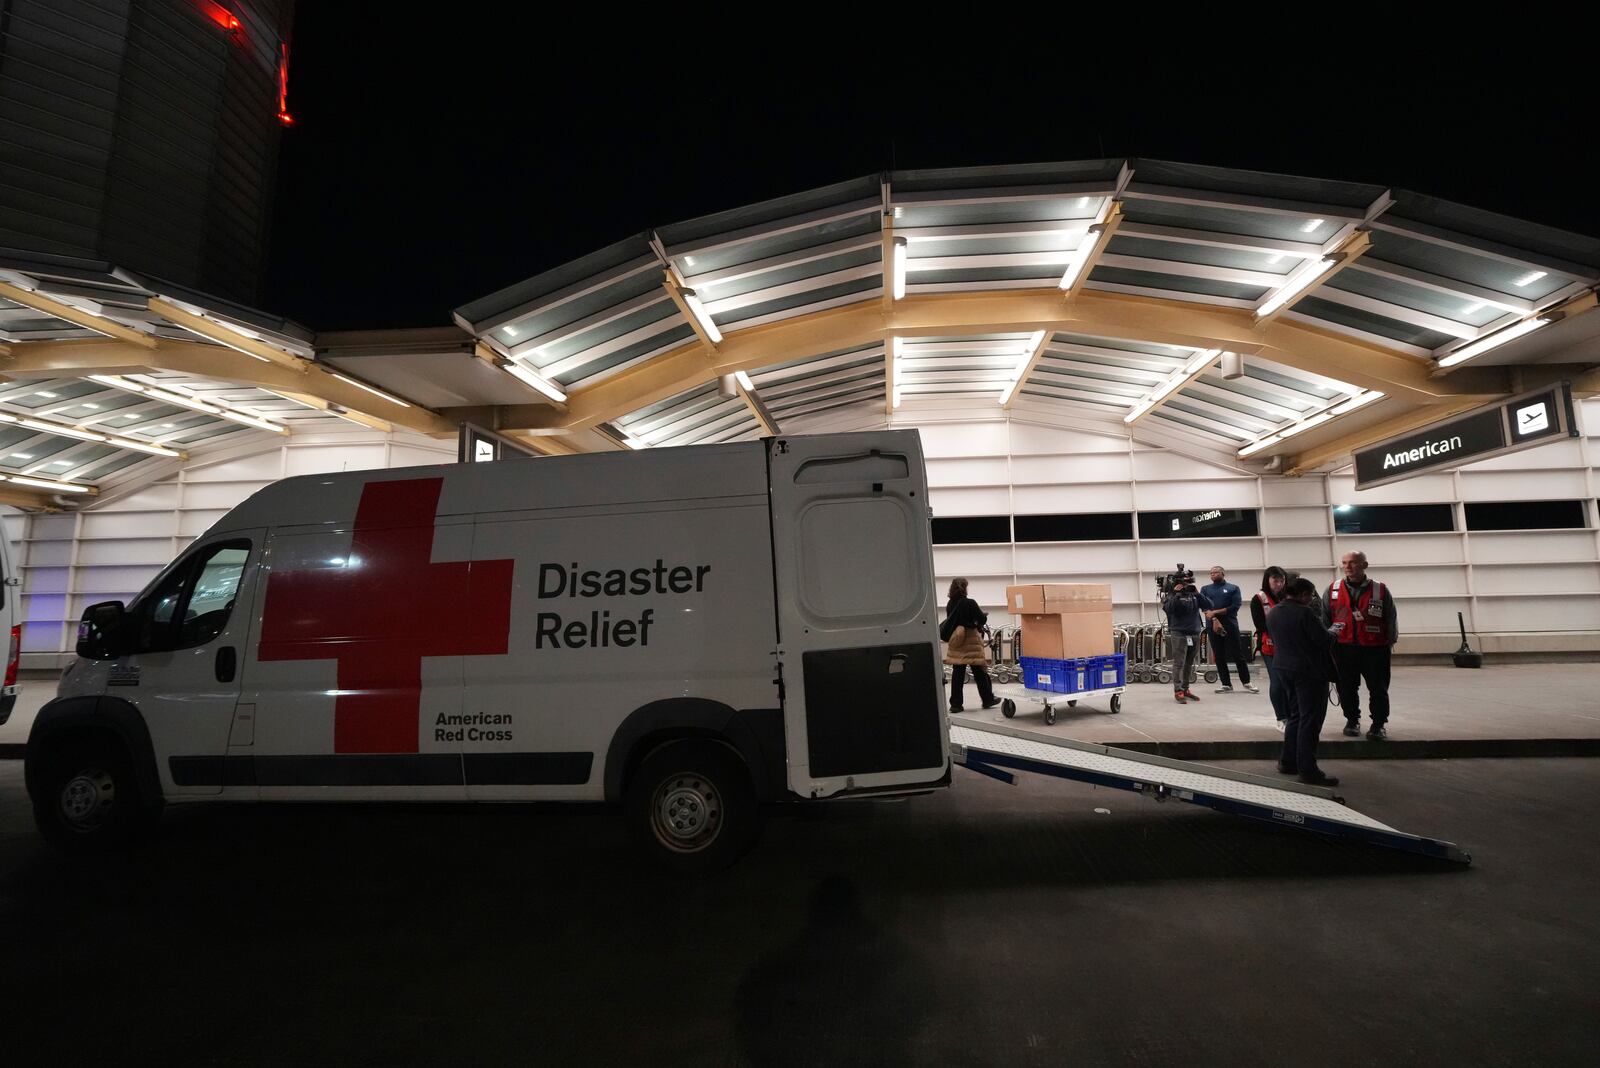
(1063, 621)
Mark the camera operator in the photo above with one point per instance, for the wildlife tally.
(1184, 604)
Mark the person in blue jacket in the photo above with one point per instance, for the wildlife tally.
(1222, 620)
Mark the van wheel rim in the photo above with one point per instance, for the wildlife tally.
(86, 798)
(687, 812)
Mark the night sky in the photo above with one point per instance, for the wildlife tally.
(436, 160)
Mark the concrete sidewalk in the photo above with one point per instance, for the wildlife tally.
(1505, 710)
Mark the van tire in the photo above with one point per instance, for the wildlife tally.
(88, 796)
(692, 806)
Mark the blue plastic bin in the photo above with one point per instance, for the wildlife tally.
(1107, 672)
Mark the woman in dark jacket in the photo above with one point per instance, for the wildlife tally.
(966, 647)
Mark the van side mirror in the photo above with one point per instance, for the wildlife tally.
(100, 632)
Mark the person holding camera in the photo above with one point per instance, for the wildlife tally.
(963, 632)
(1184, 606)
(1223, 620)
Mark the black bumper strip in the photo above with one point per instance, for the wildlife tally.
(386, 769)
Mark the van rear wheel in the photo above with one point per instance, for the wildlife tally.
(88, 799)
(692, 806)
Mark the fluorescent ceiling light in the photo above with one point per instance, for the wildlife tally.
(375, 392)
(1298, 284)
(510, 331)
(744, 380)
(688, 261)
(46, 393)
(21, 456)
(65, 431)
(1530, 278)
(534, 379)
(1357, 401)
(1473, 309)
(1305, 424)
(1312, 224)
(45, 483)
(1035, 339)
(1275, 258)
(703, 317)
(1080, 256)
(1257, 446)
(92, 407)
(900, 253)
(142, 446)
(1493, 341)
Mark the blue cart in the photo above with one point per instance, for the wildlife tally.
(1092, 676)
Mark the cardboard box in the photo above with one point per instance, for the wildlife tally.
(1068, 636)
(1058, 598)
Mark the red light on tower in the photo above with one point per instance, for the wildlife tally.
(283, 86)
(221, 16)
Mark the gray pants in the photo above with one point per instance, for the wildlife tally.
(1184, 648)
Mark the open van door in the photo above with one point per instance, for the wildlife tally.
(858, 647)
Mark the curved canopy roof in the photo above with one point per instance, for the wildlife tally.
(1244, 314)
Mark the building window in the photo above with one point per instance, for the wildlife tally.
(1392, 518)
(1525, 515)
(973, 530)
(1083, 526)
(1200, 523)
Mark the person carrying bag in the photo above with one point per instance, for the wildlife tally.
(962, 631)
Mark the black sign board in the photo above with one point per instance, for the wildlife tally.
(1519, 423)
(1201, 523)
(475, 445)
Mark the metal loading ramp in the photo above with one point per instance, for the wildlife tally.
(995, 750)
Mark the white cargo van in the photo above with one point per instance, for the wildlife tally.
(689, 632)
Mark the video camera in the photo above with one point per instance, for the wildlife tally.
(1180, 577)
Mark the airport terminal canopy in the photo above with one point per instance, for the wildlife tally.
(1251, 317)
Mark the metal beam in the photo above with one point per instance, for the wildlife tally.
(1035, 353)
(1099, 237)
(203, 327)
(75, 316)
(1197, 365)
(1311, 276)
(86, 357)
(753, 401)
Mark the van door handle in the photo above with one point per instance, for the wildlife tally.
(227, 663)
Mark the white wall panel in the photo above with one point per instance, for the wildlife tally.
(1028, 440)
(1522, 485)
(59, 527)
(1342, 490)
(973, 560)
(1156, 496)
(1050, 500)
(1093, 558)
(46, 580)
(1433, 616)
(1561, 455)
(959, 502)
(1175, 466)
(1296, 521)
(113, 580)
(964, 439)
(1533, 613)
(1520, 546)
(1382, 549)
(1235, 554)
(1308, 555)
(1071, 470)
(127, 525)
(264, 467)
(321, 459)
(407, 456)
(47, 554)
(1541, 578)
(125, 551)
(1286, 491)
(980, 472)
(192, 524)
(159, 497)
(222, 495)
(1421, 581)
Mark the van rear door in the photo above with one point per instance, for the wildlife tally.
(858, 646)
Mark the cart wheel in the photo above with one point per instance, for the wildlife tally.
(1008, 708)
(1211, 676)
(1049, 716)
(1164, 677)
(1072, 704)
(1116, 703)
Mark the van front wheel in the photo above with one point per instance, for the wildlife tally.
(692, 806)
(88, 799)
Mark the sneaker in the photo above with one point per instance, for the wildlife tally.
(1224, 689)
(1319, 780)
(1378, 732)
(1190, 694)
(1352, 730)
(956, 708)
(992, 704)
(1278, 725)
(1286, 769)
(1252, 687)
(1178, 697)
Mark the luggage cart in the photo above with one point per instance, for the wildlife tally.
(1083, 677)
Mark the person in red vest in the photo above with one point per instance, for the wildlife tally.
(1369, 631)
(1273, 580)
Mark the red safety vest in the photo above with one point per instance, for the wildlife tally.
(1266, 637)
(1364, 622)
